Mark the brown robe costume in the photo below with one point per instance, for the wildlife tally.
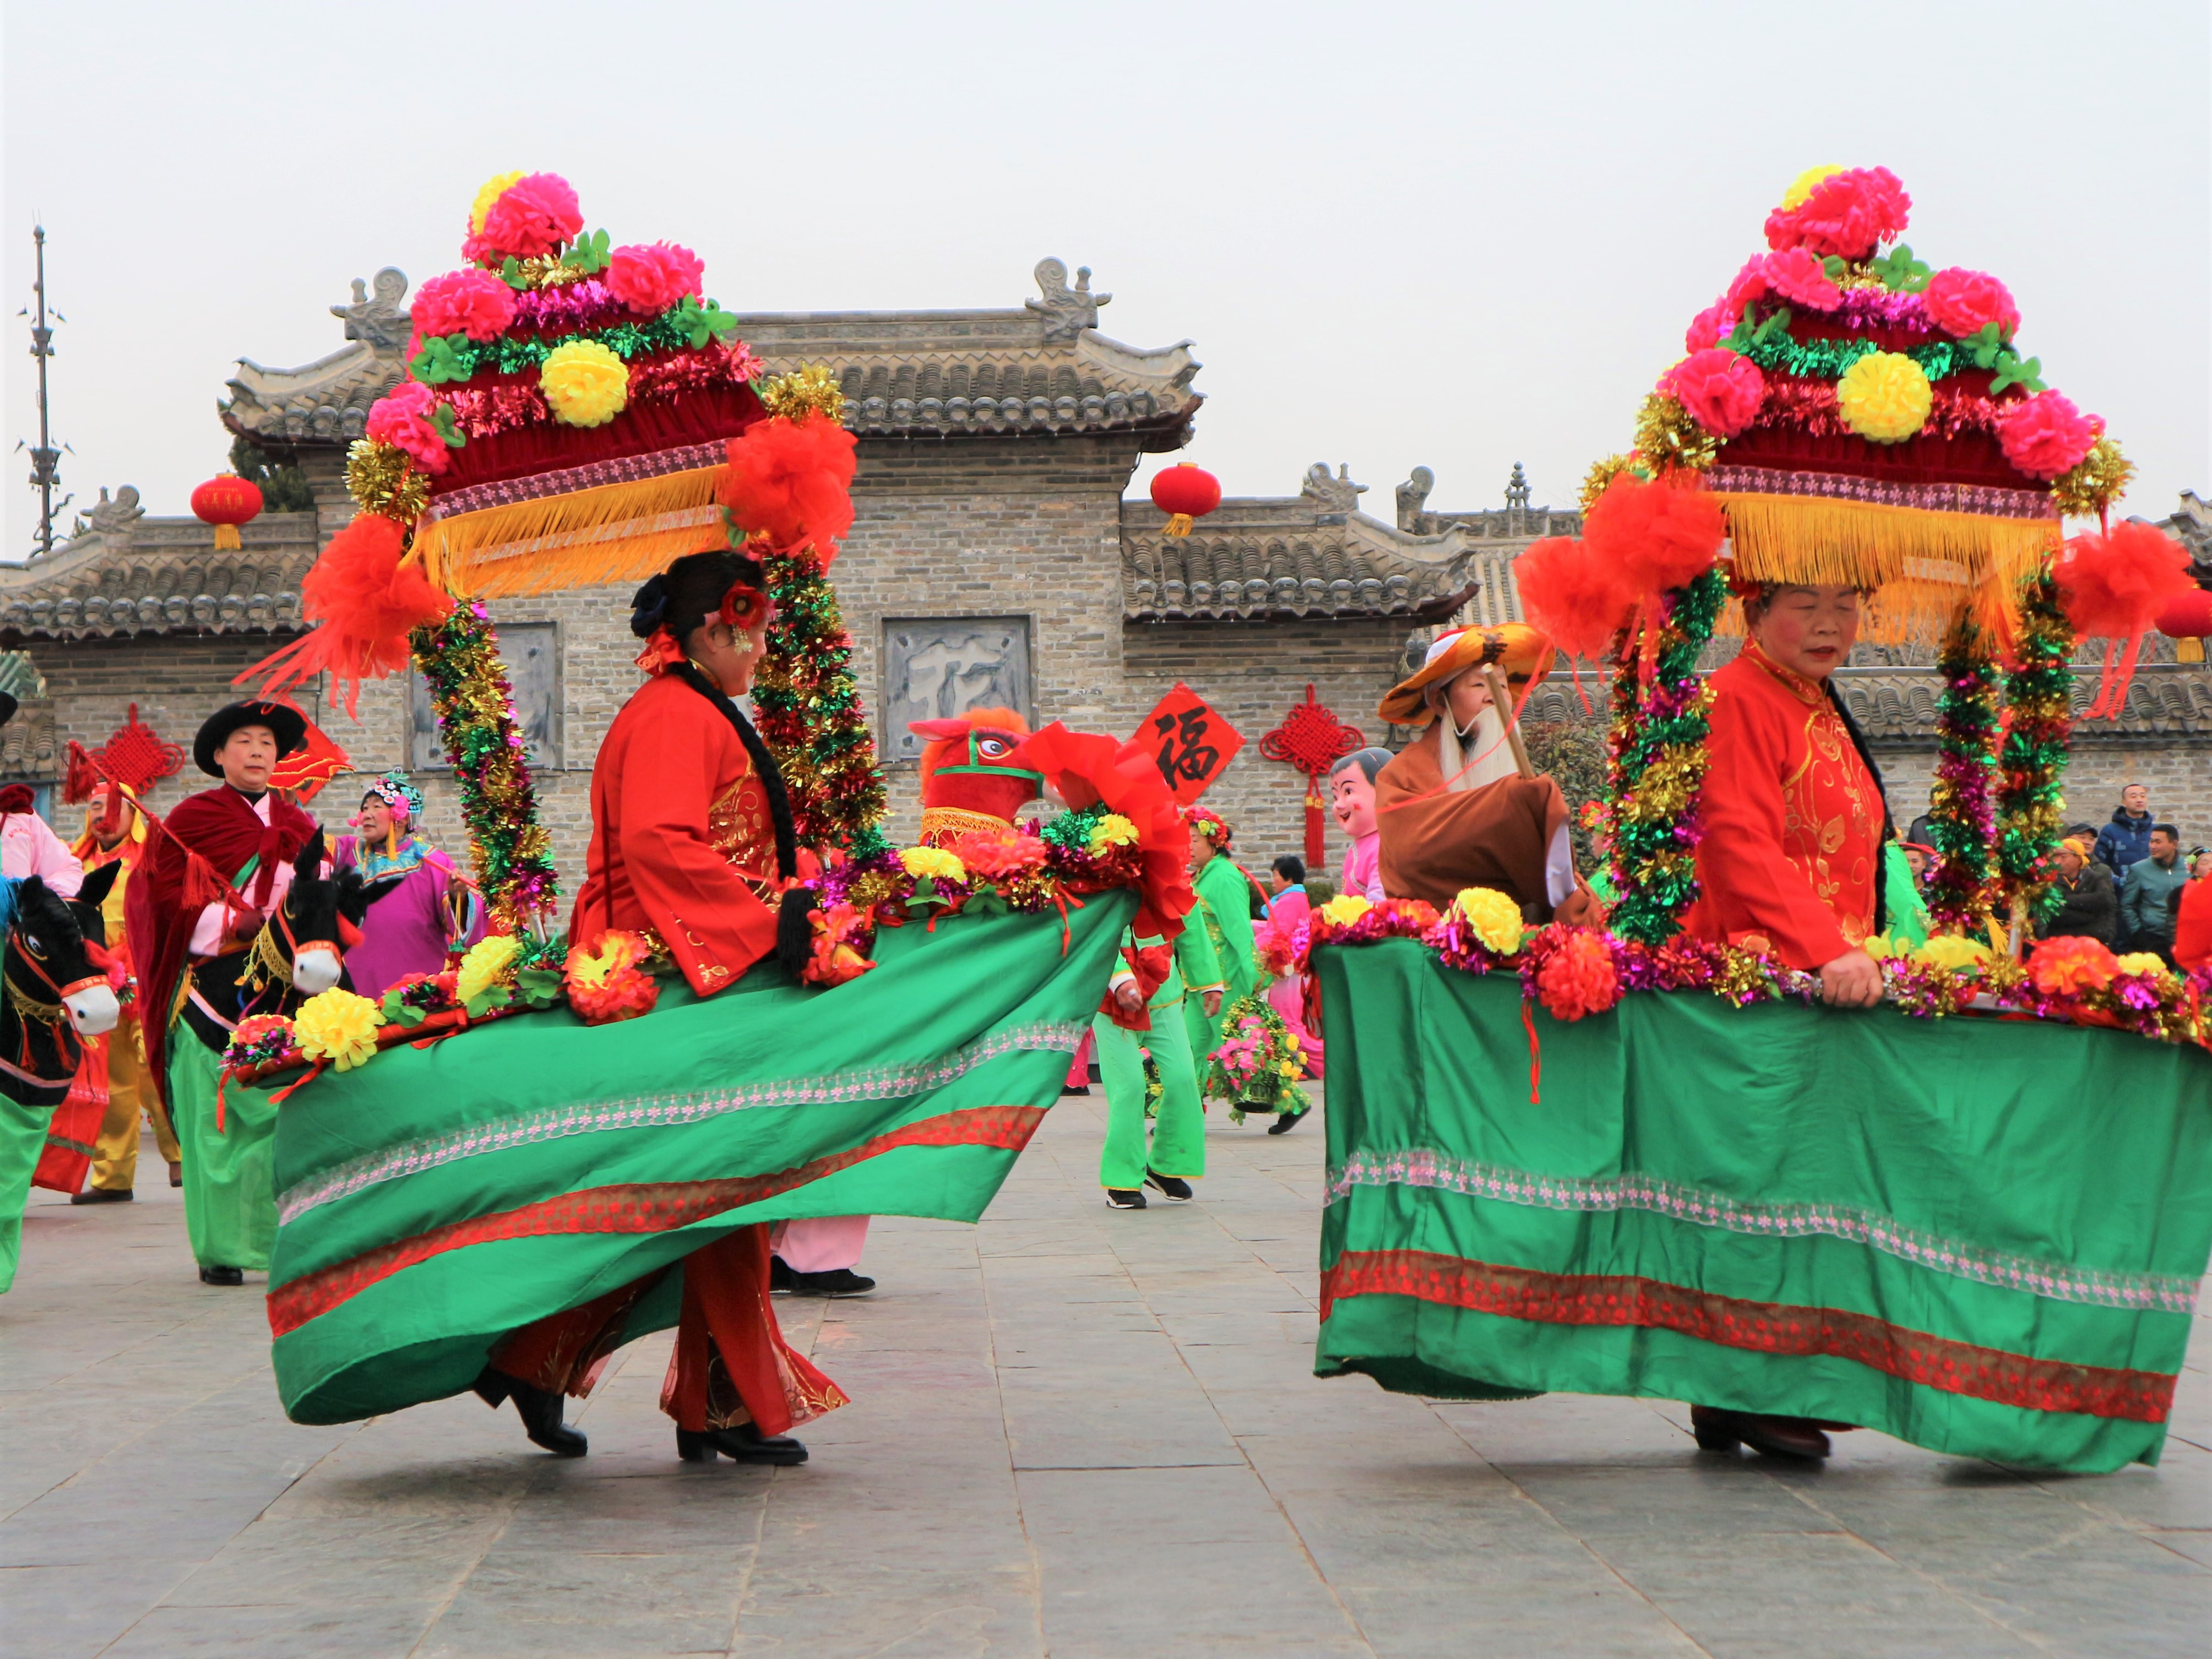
(1436, 841)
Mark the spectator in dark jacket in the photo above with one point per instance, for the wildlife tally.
(2153, 885)
(2092, 909)
(2126, 839)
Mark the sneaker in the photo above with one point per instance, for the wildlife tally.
(835, 1281)
(222, 1276)
(1174, 1188)
(1121, 1198)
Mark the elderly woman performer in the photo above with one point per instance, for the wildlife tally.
(1791, 861)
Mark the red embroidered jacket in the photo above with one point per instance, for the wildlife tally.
(1793, 820)
(683, 846)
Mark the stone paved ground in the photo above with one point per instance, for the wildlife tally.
(1075, 1432)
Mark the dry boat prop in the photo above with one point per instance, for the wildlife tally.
(1623, 1160)
(549, 1118)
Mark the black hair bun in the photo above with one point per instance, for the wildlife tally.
(648, 607)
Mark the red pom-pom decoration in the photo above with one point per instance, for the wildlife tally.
(2046, 434)
(367, 605)
(471, 302)
(2116, 584)
(791, 482)
(1574, 593)
(1659, 535)
(1845, 214)
(606, 981)
(1577, 977)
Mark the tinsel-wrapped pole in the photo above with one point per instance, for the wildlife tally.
(512, 854)
(1963, 813)
(811, 716)
(2031, 764)
(1655, 764)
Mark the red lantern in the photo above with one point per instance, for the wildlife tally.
(227, 503)
(1185, 492)
(2187, 615)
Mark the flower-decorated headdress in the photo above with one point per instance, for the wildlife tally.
(1204, 821)
(393, 789)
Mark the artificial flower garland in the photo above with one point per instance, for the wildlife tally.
(1259, 1063)
(2031, 761)
(1962, 814)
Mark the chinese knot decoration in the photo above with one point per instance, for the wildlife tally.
(134, 755)
(1312, 740)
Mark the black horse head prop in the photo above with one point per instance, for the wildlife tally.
(54, 987)
(299, 953)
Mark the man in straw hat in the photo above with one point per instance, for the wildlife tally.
(1461, 807)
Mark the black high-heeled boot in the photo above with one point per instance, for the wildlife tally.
(744, 1443)
(539, 1408)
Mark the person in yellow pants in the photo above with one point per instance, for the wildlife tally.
(1176, 1156)
(115, 833)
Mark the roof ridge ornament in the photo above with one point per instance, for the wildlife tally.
(382, 323)
(1067, 311)
(1335, 494)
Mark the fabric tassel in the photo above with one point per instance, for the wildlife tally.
(614, 533)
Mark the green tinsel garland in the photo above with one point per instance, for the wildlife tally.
(811, 716)
(2039, 693)
(509, 847)
(1962, 817)
(1656, 765)
(1827, 360)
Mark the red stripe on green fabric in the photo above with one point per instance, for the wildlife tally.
(637, 1207)
(1615, 1299)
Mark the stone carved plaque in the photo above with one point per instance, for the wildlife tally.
(531, 652)
(935, 667)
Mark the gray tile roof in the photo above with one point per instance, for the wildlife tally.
(161, 576)
(1314, 554)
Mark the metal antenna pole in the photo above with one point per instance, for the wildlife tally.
(46, 459)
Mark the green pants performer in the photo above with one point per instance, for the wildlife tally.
(245, 838)
(1177, 1154)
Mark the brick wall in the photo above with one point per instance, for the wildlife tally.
(2179, 778)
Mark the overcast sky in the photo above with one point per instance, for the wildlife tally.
(1458, 236)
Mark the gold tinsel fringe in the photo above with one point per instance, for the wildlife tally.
(616, 533)
(1923, 565)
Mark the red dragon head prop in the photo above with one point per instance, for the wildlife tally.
(974, 773)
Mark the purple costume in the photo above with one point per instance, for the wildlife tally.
(428, 911)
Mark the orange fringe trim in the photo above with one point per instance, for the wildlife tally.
(1924, 566)
(616, 533)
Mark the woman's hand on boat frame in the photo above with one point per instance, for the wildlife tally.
(1851, 980)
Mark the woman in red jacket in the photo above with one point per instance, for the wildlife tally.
(692, 846)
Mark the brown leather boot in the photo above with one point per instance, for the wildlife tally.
(1716, 1430)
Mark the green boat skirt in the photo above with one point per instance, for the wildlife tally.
(434, 1199)
(1985, 1237)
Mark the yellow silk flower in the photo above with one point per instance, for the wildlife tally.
(2143, 961)
(490, 962)
(1884, 397)
(1112, 830)
(1345, 909)
(586, 384)
(339, 1027)
(1495, 918)
(1953, 951)
(933, 862)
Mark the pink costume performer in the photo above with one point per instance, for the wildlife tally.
(1351, 796)
(422, 908)
(1288, 914)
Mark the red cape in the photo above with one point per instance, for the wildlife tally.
(210, 836)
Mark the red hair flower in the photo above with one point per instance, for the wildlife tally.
(650, 277)
(401, 418)
(1799, 278)
(1577, 976)
(2069, 965)
(1721, 391)
(2046, 436)
(471, 302)
(1964, 302)
(1845, 214)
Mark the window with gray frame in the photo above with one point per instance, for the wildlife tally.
(935, 667)
(531, 652)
